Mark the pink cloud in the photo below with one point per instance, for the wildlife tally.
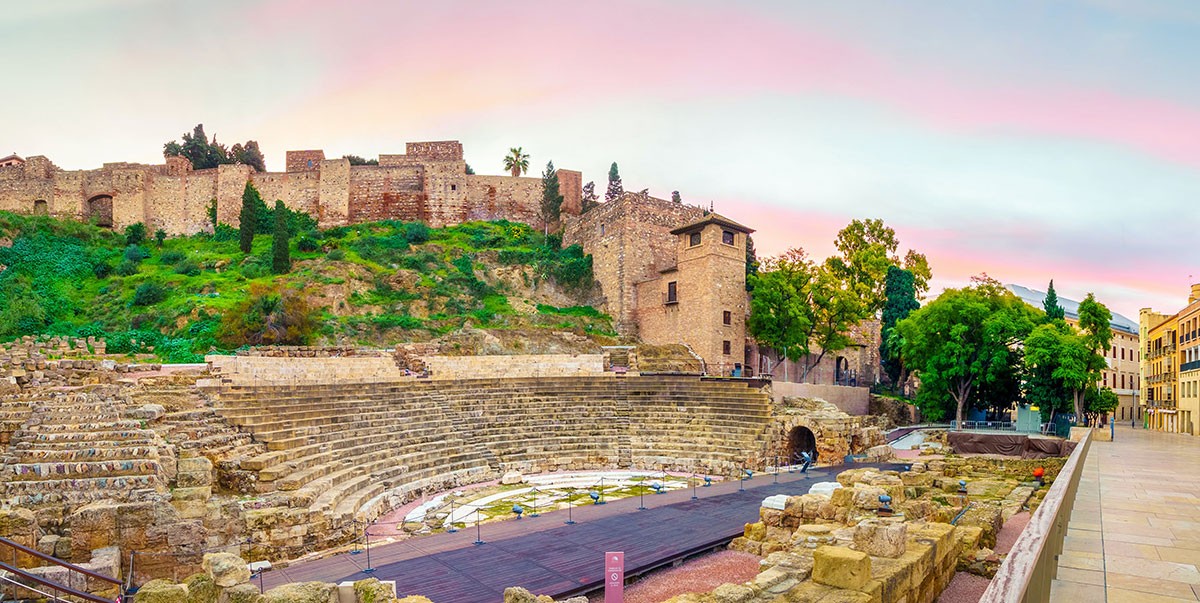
(442, 63)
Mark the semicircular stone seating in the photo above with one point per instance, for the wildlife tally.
(338, 453)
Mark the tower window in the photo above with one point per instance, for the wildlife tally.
(453, 187)
(726, 347)
(694, 239)
(727, 237)
(672, 293)
(727, 317)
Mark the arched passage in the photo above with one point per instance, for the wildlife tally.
(100, 210)
(801, 439)
(40, 208)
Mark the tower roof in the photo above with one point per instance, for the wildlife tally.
(711, 219)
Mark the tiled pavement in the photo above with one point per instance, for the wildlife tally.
(1134, 533)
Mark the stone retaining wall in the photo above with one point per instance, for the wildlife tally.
(498, 367)
(850, 400)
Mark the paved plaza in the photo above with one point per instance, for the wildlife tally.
(1134, 533)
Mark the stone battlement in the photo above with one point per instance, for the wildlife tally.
(428, 183)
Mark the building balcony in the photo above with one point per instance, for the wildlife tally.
(1189, 366)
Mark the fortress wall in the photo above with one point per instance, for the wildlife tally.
(179, 204)
(299, 191)
(504, 198)
(385, 193)
(511, 367)
(429, 183)
(630, 240)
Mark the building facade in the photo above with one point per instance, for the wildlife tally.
(1170, 367)
(428, 183)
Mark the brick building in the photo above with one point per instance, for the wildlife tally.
(427, 183)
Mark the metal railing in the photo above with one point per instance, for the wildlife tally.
(1032, 564)
(14, 577)
(996, 425)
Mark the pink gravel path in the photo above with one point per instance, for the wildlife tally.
(964, 588)
(1011, 530)
(698, 575)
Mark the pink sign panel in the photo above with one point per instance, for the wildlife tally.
(614, 577)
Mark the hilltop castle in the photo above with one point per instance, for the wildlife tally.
(429, 183)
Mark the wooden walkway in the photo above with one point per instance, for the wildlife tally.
(546, 556)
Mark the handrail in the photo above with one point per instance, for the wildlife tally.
(1032, 564)
(59, 562)
(53, 585)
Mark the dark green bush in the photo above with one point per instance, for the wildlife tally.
(307, 244)
(187, 267)
(171, 257)
(336, 255)
(148, 294)
(136, 253)
(135, 234)
(225, 233)
(127, 268)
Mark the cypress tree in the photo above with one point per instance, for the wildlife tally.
(247, 218)
(1050, 304)
(551, 206)
(281, 260)
(615, 188)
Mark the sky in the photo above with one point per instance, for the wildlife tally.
(1028, 140)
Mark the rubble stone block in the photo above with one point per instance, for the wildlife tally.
(841, 567)
(881, 538)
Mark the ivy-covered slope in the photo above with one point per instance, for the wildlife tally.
(368, 284)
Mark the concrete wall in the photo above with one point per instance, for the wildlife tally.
(850, 400)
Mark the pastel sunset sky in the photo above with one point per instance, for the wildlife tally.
(1026, 139)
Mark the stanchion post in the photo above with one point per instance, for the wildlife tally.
(478, 537)
(367, 533)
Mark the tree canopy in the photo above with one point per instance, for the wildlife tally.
(207, 155)
(248, 217)
(1053, 310)
(866, 249)
(900, 300)
(799, 305)
(963, 342)
(615, 188)
(588, 198)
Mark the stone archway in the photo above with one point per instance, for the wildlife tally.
(99, 209)
(40, 208)
(801, 439)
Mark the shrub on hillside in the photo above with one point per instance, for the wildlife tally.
(269, 316)
(148, 294)
(187, 267)
(171, 257)
(225, 233)
(136, 253)
(127, 268)
(135, 234)
(307, 244)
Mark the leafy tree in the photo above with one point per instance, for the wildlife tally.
(675, 197)
(1057, 365)
(469, 170)
(516, 162)
(206, 155)
(135, 234)
(550, 208)
(900, 295)
(589, 199)
(866, 248)
(249, 154)
(1100, 401)
(798, 305)
(615, 189)
(965, 340)
(1095, 320)
(160, 235)
(356, 160)
(1050, 304)
(247, 220)
(281, 261)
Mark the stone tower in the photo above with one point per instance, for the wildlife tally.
(701, 300)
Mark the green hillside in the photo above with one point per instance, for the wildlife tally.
(367, 284)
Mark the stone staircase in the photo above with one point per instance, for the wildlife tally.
(82, 446)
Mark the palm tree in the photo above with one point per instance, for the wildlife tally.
(516, 162)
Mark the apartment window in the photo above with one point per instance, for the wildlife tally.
(727, 317)
(694, 239)
(727, 237)
(1122, 381)
(1105, 377)
(672, 293)
(726, 347)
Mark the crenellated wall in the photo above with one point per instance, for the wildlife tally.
(428, 183)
